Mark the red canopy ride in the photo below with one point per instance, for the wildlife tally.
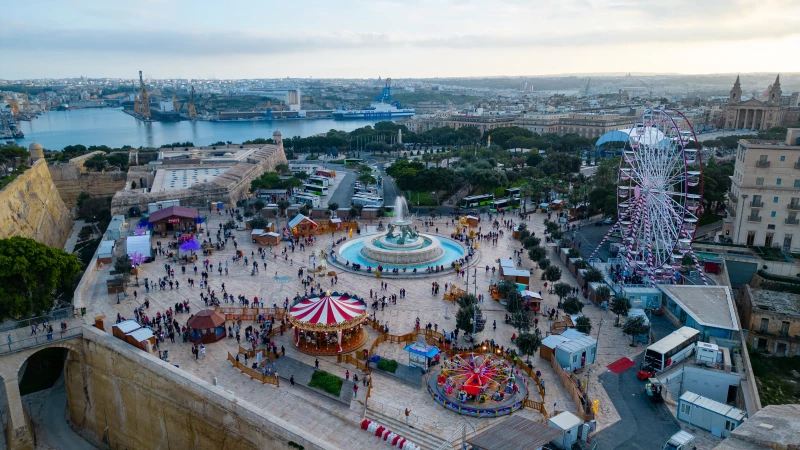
(328, 313)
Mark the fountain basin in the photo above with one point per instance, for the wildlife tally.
(422, 251)
(352, 251)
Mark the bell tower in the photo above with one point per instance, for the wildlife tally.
(736, 92)
(775, 92)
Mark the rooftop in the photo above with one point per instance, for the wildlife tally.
(708, 305)
(515, 433)
(779, 302)
(178, 211)
(774, 426)
(713, 405)
(176, 179)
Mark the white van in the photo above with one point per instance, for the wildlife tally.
(680, 441)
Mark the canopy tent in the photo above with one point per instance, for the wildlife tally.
(206, 326)
(138, 244)
(328, 313)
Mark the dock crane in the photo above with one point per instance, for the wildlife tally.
(586, 89)
(649, 89)
(192, 112)
(144, 103)
(175, 105)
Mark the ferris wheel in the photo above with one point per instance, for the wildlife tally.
(659, 193)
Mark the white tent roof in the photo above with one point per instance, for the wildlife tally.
(139, 244)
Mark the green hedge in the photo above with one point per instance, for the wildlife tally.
(327, 382)
(387, 365)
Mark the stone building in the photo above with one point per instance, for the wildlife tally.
(754, 114)
(764, 201)
(72, 178)
(198, 177)
(772, 318)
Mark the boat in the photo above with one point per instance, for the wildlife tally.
(376, 110)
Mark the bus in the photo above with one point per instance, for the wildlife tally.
(504, 204)
(318, 179)
(316, 182)
(477, 200)
(353, 162)
(368, 202)
(513, 192)
(310, 199)
(314, 189)
(672, 349)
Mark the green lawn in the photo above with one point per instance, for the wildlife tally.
(776, 384)
(424, 198)
(327, 382)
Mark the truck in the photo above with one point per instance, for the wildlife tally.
(680, 441)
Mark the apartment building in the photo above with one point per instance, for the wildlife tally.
(541, 123)
(764, 201)
(592, 126)
(772, 318)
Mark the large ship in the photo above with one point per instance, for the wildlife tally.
(382, 108)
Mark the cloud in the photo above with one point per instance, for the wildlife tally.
(178, 42)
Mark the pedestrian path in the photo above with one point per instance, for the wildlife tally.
(286, 367)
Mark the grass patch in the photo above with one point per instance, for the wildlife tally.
(776, 385)
(708, 219)
(425, 198)
(86, 250)
(337, 161)
(770, 253)
(327, 382)
(387, 365)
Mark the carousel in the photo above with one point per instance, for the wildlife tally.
(329, 323)
(480, 385)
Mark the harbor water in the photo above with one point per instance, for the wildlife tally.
(114, 128)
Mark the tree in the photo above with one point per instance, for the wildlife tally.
(634, 327)
(572, 305)
(259, 204)
(528, 344)
(619, 306)
(466, 300)
(32, 276)
(544, 263)
(465, 317)
(580, 264)
(367, 179)
(573, 253)
(229, 225)
(583, 324)
(552, 274)
(562, 290)
(258, 222)
(282, 168)
(506, 288)
(283, 205)
(593, 275)
(333, 207)
(530, 241)
(537, 253)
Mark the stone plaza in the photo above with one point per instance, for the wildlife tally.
(337, 419)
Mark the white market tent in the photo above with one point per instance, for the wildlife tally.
(138, 244)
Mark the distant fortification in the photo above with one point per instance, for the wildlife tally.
(72, 178)
(230, 186)
(31, 207)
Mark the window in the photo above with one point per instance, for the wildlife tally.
(764, 325)
(772, 214)
(797, 183)
(759, 181)
(730, 426)
(778, 181)
(783, 158)
(774, 199)
(686, 408)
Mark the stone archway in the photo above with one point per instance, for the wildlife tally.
(18, 429)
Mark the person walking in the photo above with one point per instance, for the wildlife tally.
(355, 391)
(316, 364)
(347, 375)
(408, 412)
(291, 380)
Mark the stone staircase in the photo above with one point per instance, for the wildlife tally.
(424, 440)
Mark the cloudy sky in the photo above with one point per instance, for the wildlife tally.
(397, 38)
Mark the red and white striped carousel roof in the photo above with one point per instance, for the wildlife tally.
(328, 310)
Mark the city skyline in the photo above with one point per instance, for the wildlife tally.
(359, 39)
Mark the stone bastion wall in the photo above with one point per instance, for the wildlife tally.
(31, 207)
(72, 178)
(146, 403)
(230, 187)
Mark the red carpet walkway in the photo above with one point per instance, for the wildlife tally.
(621, 365)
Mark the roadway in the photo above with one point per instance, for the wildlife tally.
(643, 424)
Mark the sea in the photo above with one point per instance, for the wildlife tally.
(55, 130)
